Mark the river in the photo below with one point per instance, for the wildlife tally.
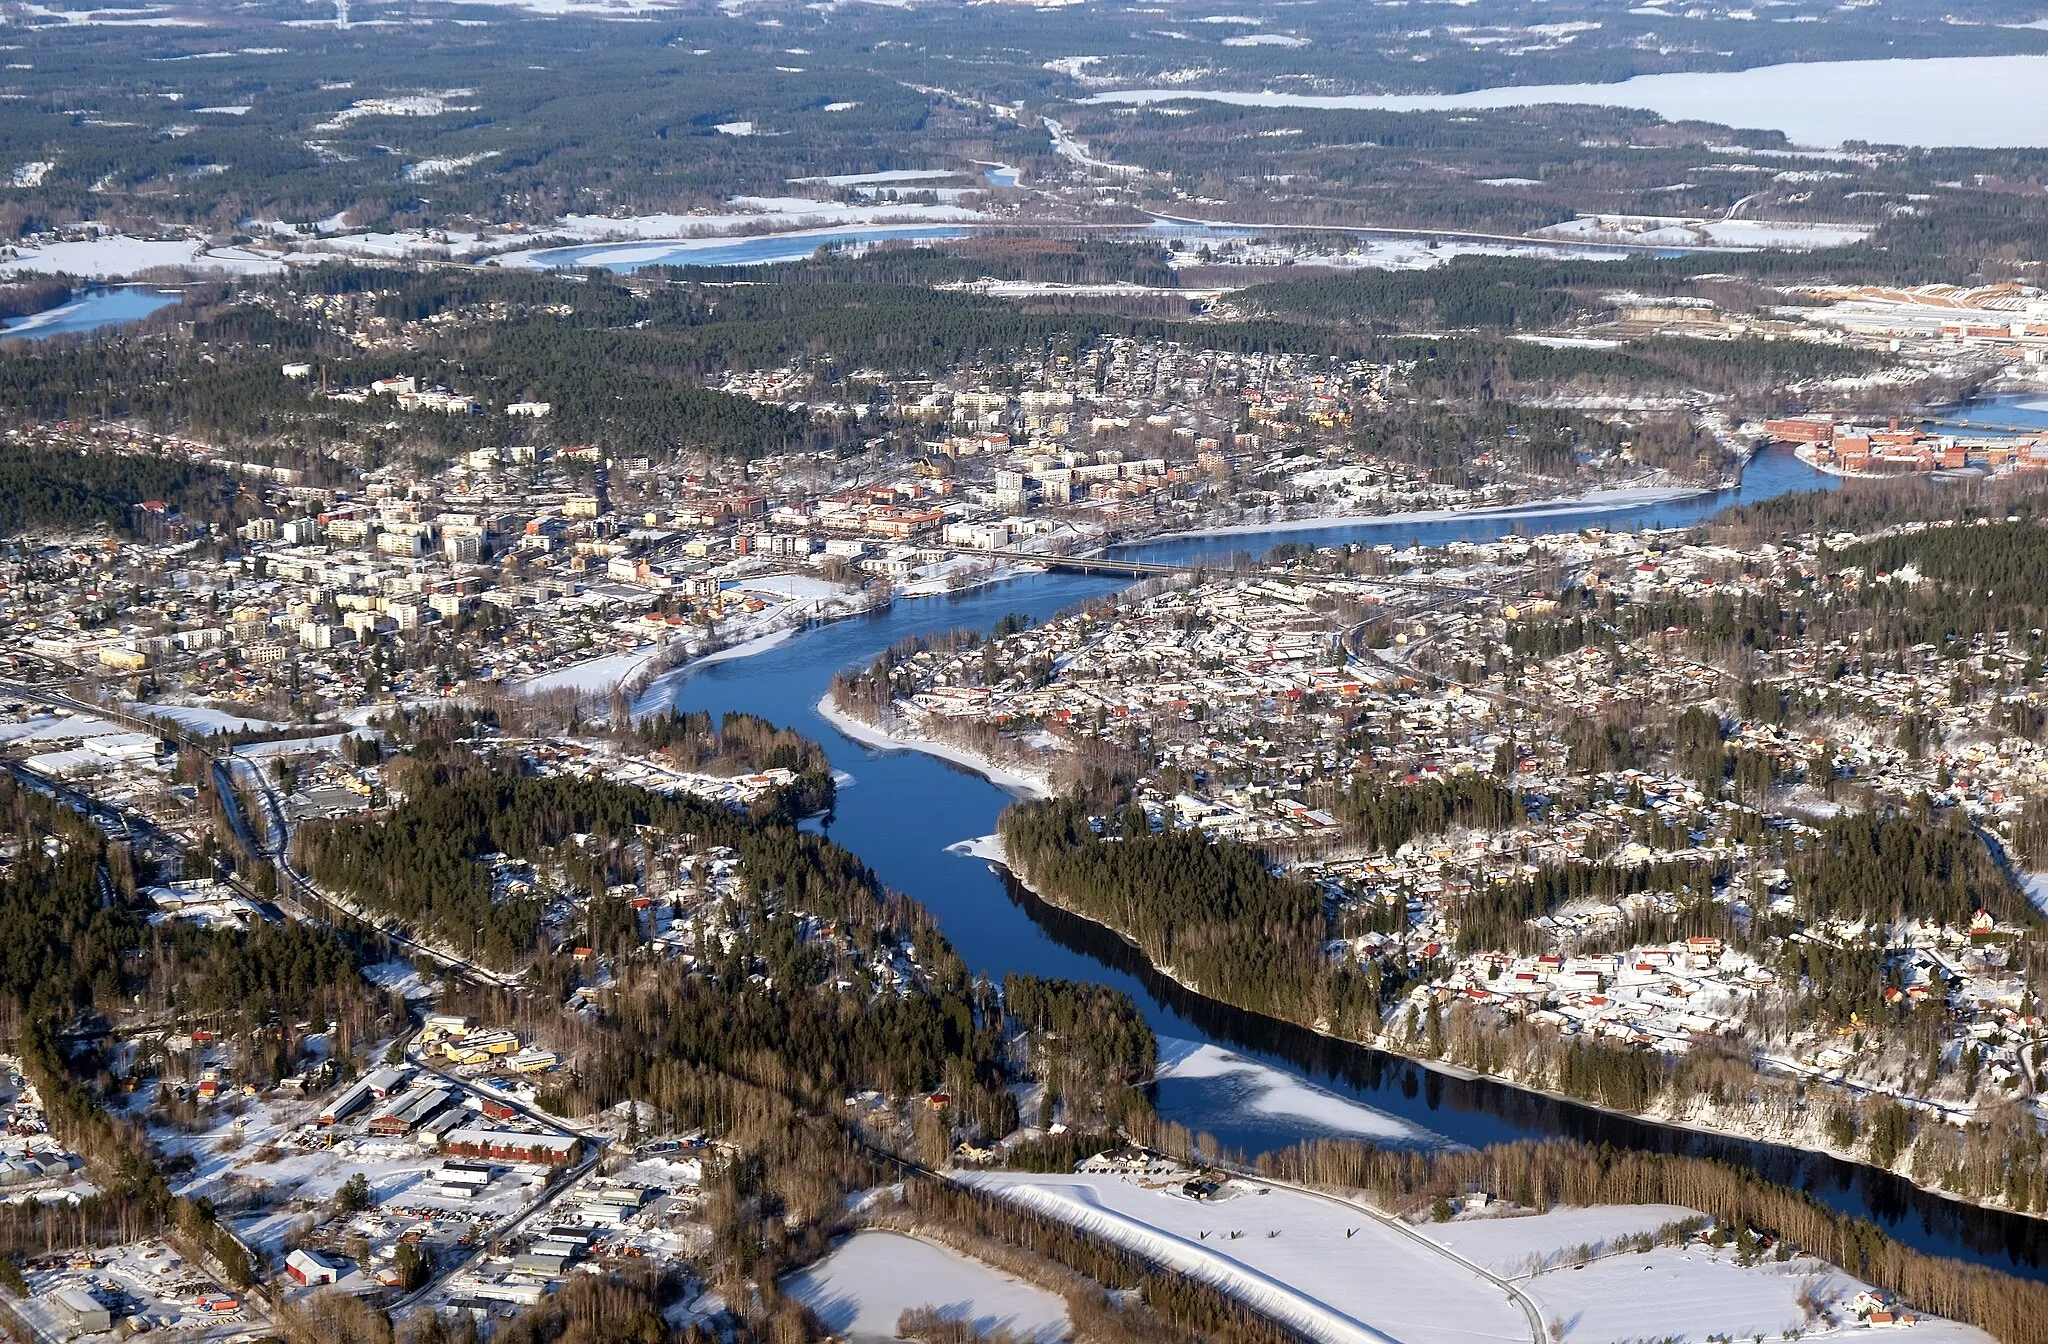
(1252, 1083)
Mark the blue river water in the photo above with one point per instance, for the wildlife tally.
(89, 311)
(2001, 414)
(1251, 1083)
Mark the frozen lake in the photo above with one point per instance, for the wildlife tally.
(1980, 101)
(89, 312)
(757, 250)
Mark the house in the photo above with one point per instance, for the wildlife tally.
(309, 1269)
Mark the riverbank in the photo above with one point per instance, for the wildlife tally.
(1629, 497)
(1799, 1133)
(1023, 783)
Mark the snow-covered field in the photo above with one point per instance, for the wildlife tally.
(47, 725)
(1795, 235)
(1327, 1268)
(1515, 1247)
(1294, 1260)
(203, 720)
(114, 256)
(872, 1278)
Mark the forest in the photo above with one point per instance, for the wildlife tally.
(1213, 913)
(57, 490)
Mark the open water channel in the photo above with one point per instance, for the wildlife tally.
(1252, 1083)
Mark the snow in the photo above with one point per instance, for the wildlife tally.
(872, 1278)
(1980, 101)
(1619, 498)
(1330, 1269)
(444, 166)
(115, 255)
(150, 16)
(1677, 232)
(588, 9)
(290, 746)
(1252, 1089)
(45, 725)
(734, 128)
(407, 105)
(745, 650)
(403, 977)
(793, 587)
(793, 212)
(1505, 1245)
(874, 179)
(201, 719)
(1012, 781)
(795, 222)
(1688, 1293)
(1571, 342)
(593, 676)
(2035, 887)
(985, 847)
(1265, 40)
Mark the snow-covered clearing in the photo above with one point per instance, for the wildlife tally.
(43, 724)
(203, 720)
(593, 676)
(404, 105)
(445, 166)
(794, 587)
(872, 1278)
(889, 178)
(147, 16)
(290, 746)
(1794, 235)
(1242, 1091)
(1326, 1268)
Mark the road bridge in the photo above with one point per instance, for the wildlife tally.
(1123, 568)
(1994, 426)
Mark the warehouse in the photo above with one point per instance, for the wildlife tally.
(504, 1145)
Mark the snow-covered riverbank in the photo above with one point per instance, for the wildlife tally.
(1025, 784)
(1621, 498)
